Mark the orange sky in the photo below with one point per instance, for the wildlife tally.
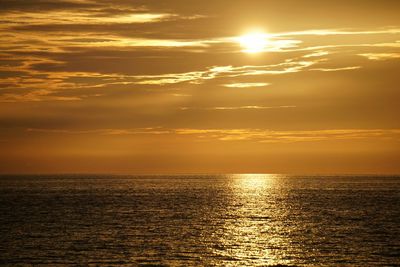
(153, 86)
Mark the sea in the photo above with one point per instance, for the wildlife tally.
(199, 220)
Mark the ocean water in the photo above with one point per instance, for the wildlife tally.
(204, 220)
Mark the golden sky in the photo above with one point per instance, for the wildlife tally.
(220, 86)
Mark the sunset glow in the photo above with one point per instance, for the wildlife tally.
(254, 42)
(212, 86)
(200, 133)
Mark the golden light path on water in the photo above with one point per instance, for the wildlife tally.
(252, 232)
(207, 220)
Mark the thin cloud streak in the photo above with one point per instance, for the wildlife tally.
(198, 77)
(256, 135)
(245, 85)
(270, 136)
(381, 56)
(337, 69)
(65, 17)
(102, 131)
(326, 32)
(236, 108)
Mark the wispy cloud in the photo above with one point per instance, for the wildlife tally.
(317, 54)
(236, 108)
(134, 131)
(270, 136)
(256, 135)
(48, 53)
(197, 77)
(36, 96)
(41, 85)
(326, 32)
(337, 69)
(381, 56)
(245, 85)
(76, 17)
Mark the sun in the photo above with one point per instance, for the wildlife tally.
(254, 42)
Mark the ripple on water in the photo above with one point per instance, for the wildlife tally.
(215, 220)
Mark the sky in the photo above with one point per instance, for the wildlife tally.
(149, 86)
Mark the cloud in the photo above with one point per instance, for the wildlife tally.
(317, 54)
(102, 131)
(75, 73)
(44, 77)
(337, 69)
(197, 77)
(327, 32)
(77, 17)
(47, 5)
(236, 108)
(51, 50)
(35, 96)
(270, 136)
(256, 135)
(245, 85)
(381, 56)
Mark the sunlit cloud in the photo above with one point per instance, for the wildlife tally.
(257, 42)
(232, 76)
(381, 56)
(48, 85)
(181, 95)
(132, 42)
(245, 85)
(337, 69)
(35, 96)
(197, 77)
(136, 131)
(236, 108)
(56, 81)
(270, 136)
(317, 54)
(76, 17)
(256, 135)
(326, 32)
(254, 42)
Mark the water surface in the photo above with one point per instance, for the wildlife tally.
(208, 220)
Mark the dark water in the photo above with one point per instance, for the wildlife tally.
(226, 220)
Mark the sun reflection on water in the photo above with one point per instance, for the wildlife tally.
(254, 222)
(254, 181)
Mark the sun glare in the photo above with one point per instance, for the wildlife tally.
(254, 42)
